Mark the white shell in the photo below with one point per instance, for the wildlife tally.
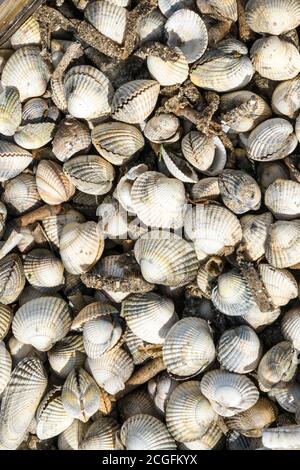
(13, 160)
(43, 270)
(283, 244)
(51, 417)
(10, 110)
(282, 438)
(109, 19)
(21, 194)
(12, 278)
(28, 34)
(273, 16)
(168, 72)
(279, 283)
(34, 136)
(52, 184)
(5, 367)
(291, 327)
(255, 230)
(100, 435)
(286, 98)
(283, 199)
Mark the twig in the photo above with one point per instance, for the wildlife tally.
(37, 215)
(246, 34)
(129, 283)
(157, 49)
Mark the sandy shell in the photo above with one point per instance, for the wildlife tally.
(186, 30)
(10, 110)
(213, 229)
(163, 128)
(219, 9)
(43, 270)
(54, 224)
(290, 326)
(283, 199)
(6, 316)
(134, 101)
(88, 92)
(255, 230)
(168, 7)
(166, 258)
(286, 98)
(13, 160)
(20, 401)
(283, 244)
(239, 191)
(149, 316)
(67, 354)
(188, 348)
(151, 27)
(178, 166)
(81, 245)
(5, 366)
(117, 142)
(282, 438)
(206, 189)
(27, 71)
(228, 393)
(109, 19)
(71, 438)
(12, 278)
(279, 283)
(52, 184)
(100, 435)
(168, 72)
(21, 194)
(71, 138)
(28, 34)
(188, 412)
(145, 432)
(273, 16)
(52, 419)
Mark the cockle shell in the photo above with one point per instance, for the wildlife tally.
(188, 412)
(54, 224)
(290, 327)
(71, 438)
(287, 396)
(81, 245)
(199, 150)
(160, 388)
(283, 199)
(21, 194)
(67, 354)
(280, 284)
(28, 34)
(134, 101)
(20, 351)
(211, 440)
(52, 184)
(255, 230)
(188, 348)
(239, 191)
(109, 19)
(168, 7)
(10, 110)
(178, 166)
(237, 441)
(149, 316)
(5, 366)
(3, 216)
(27, 71)
(258, 319)
(166, 258)
(72, 137)
(6, 316)
(13, 160)
(206, 189)
(268, 172)
(117, 142)
(137, 348)
(219, 9)
(123, 190)
(163, 128)
(12, 278)
(36, 110)
(282, 438)
(43, 270)
(286, 98)
(272, 16)
(228, 393)
(151, 27)
(20, 401)
(168, 72)
(283, 244)
(135, 403)
(34, 136)
(100, 435)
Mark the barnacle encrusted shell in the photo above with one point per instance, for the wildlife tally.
(273, 16)
(13, 160)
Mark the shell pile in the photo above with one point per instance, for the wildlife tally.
(150, 227)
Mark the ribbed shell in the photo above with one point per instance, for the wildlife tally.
(101, 334)
(10, 110)
(199, 150)
(186, 30)
(213, 229)
(258, 319)
(151, 27)
(144, 432)
(12, 278)
(90, 174)
(273, 16)
(286, 98)
(71, 438)
(34, 136)
(271, 140)
(149, 316)
(290, 327)
(21, 194)
(5, 367)
(178, 166)
(239, 350)
(188, 348)
(42, 322)
(268, 172)
(100, 435)
(81, 245)
(117, 142)
(20, 401)
(71, 138)
(282, 438)
(54, 224)
(163, 128)
(67, 354)
(91, 312)
(43, 270)
(27, 71)
(51, 417)
(168, 7)
(13, 160)
(229, 393)
(52, 184)
(287, 397)
(206, 189)
(209, 441)
(283, 199)
(135, 403)
(279, 283)
(283, 244)
(219, 9)
(188, 412)
(134, 101)
(27, 34)
(239, 191)
(6, 316)
(88, 92)
(166, 259)
(108, 18)
(168, 72)
(3, 216)
(255, 230)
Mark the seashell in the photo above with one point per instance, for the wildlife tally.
(271, 140)
(168, 72)
(20, 194)
(280, 284)
(66, 354)
(237, 441)
(252, 422)
(5, 367)
(145, 432)
(81, 245)
(100, 435)
(28, 34)
(137, 348)
(164, 128)
(255, 230)
(13, 160)
(211, 440)
(52, 419)
(92, 311)
(205, 189)
(275, 59)
(282, 438)
(135, 403)
(20, 401)
(239, 350)
(72, 137)
(271, 171)
(34, 136)
(117, 142)
(80, 395)
(151, 27)
(213, 229)
(42, 322)
(188, 412)
(234, 68)
(178, 166)
(188, 348)
(228, 393)
(239, 191)
(12, 278)
(287, 396)
(10, 110)
(134, 101)
(43, 270)
(272, 16)
(286, 98)
(34, 110)
(199, 150)
(123, 190)
(27, 71)
(112, 219)
(52, 184)
(159, 389)
(219, 9)
(72, 437)
(88, 92)
(278, 365)
(3, 215)
(283, 244)
(20, 351)
(297, 128)
(112, 369)
(282, 198)
(6, 316)
(54, 224)
(186, 30)
(258, 319)
(290, 327)
(158, 201)
(90, 174)
(168, 7)
(149, 316)
(109, 19)
(166, 259)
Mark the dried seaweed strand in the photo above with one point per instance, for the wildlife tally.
(131, 283)
(157, 49)
(74, 51)
(246, 34)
